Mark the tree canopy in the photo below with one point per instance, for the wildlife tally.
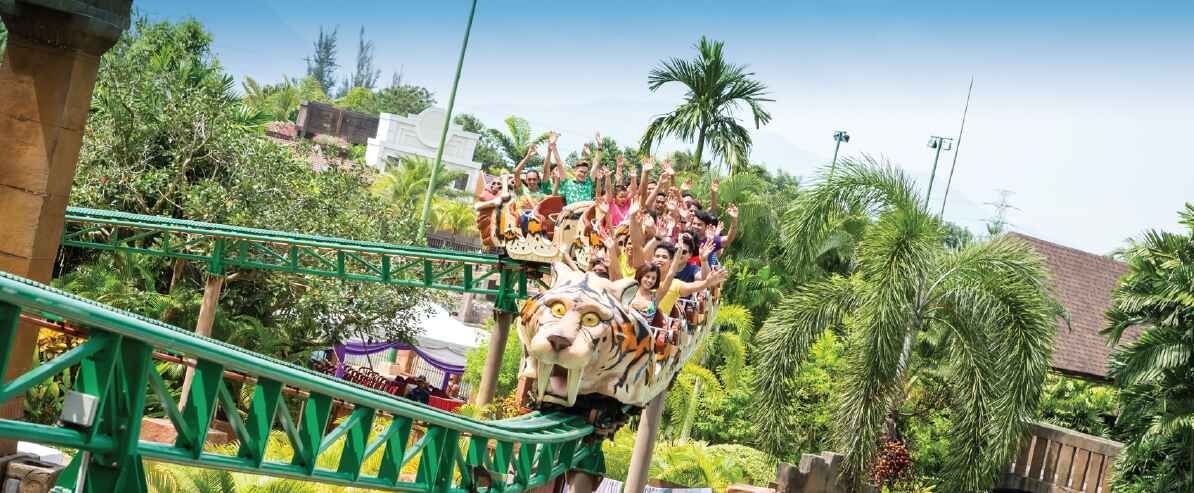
(169, 136)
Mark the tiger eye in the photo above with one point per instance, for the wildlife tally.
(590, 319)
(559, 309)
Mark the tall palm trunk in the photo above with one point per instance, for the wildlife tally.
(700, 146)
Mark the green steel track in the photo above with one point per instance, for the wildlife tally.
(222, 247)
(114, 366)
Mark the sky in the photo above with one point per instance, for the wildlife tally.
(1077, 107)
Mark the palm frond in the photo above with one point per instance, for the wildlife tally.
(783, 345)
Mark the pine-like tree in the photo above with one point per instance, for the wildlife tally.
(322, 64)
(366, 75)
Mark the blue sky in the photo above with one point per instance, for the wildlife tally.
(1079, 108)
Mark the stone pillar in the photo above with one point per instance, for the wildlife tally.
(46, 78)
(644, 445)
(493, 359)
(207, 318)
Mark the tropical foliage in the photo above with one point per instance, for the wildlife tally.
(692, 463)
(1155, 372)
(715, 89)
(169, 136)
(518, 138)
(910, 305)
(507, 379)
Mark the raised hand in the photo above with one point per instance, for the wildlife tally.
(648, 164)
(715, 185)
(707, 248)
(732, 210)
(532, 150)
(620, 161)
(585, 150)
(687, 185)
(598, 137)
(667, 166)
(718, 276)
(551, 138)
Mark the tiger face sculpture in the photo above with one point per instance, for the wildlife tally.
(581, 339)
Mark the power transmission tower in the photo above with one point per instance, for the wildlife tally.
(998, 224)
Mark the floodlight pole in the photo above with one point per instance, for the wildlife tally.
(936, 143)
(443, 136)
(838, 137)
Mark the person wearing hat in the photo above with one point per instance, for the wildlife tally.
(421, 391)
(579, 188)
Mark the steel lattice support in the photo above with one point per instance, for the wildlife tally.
(114, 370)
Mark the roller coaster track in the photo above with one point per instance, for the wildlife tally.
(224, 247)
(115, 376)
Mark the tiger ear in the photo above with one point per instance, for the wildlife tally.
(623, 290)
(561, 272)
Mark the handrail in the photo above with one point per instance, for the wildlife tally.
(115, 361)
(100, 216)
(223, 246)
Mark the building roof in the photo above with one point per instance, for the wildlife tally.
(1083, 283)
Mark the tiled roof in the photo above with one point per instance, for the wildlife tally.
(1083, 283)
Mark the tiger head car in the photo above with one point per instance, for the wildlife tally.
(581, 340)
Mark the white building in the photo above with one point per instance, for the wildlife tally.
(418, 135)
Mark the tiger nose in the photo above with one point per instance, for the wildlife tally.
(559, 343)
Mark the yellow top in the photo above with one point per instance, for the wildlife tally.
(624, 263)
(669, 299)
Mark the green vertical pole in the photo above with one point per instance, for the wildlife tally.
(936, 156)
(443, 137)
(836, 145)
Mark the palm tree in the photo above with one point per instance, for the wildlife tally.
(716, 88)
(454, 216)
(984, 309)
(405, 184)
(1155, 373)
(514, 145)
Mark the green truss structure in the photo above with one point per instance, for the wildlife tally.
(224, 247)
(115, 377)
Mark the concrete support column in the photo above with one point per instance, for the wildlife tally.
(644, 445)
(207, 317)
(46, 79)
(493, 359)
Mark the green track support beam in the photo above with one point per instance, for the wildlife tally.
(222, 247)
(115, 373)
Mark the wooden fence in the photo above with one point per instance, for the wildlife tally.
(1057, 460)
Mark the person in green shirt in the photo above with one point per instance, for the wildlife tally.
(579, 188)
(531, 183)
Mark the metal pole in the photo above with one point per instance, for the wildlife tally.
(837, 144)
(936, 156)
(644, 445)
(957, 149)
(443, 137)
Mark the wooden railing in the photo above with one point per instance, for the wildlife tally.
(1057, 460)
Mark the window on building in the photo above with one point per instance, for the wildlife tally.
(460, 183)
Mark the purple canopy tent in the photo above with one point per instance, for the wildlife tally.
(366, 348)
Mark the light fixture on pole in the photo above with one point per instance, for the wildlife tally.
(938, 144)
(838, 137)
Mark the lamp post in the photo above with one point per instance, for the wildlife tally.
(838, 137)
(938, 144)
(443, 137)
